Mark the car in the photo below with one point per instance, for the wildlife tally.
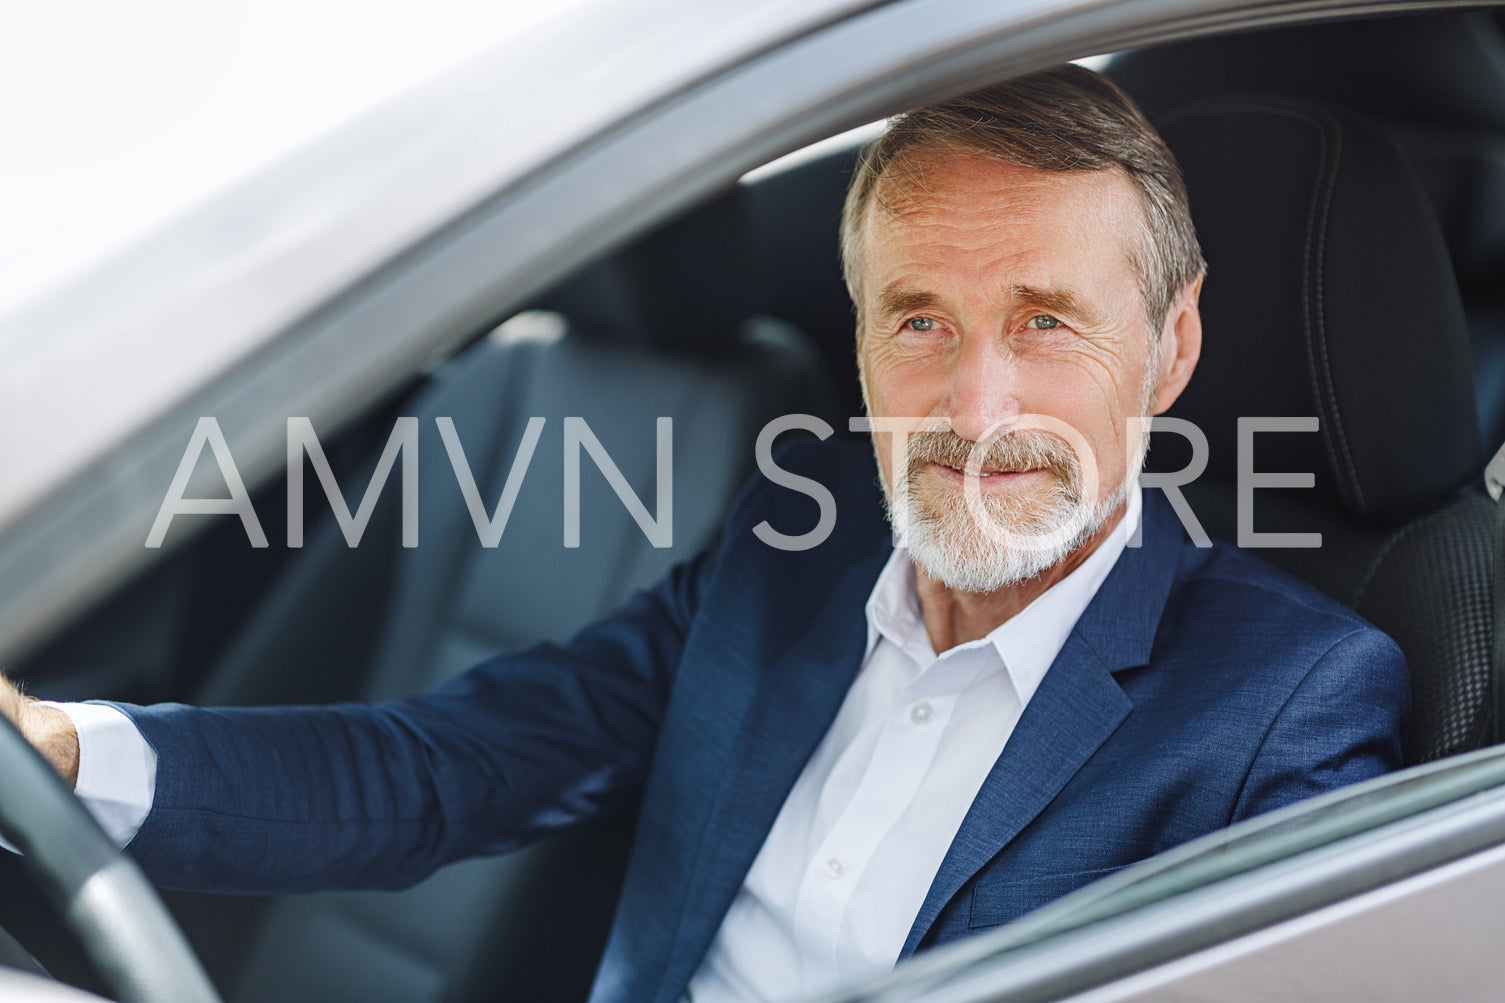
(619, 218)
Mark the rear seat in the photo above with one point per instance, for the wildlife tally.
(529, 925)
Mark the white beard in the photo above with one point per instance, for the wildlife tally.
(969, 554)
(978, 541)
(990, 541)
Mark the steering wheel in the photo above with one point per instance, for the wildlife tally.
(106, 900)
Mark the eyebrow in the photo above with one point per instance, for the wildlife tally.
(896, 300)
(1056, 301)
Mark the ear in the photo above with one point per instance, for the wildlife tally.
(1180, 346)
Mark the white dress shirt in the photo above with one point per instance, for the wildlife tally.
(832, 894)
(843, 872)
(117, 769)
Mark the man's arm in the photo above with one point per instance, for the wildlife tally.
(1344, 723)
(298, 799)
(98, 752)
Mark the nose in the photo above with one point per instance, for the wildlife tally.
(982, 388)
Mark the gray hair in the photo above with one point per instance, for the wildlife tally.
(1060, 120)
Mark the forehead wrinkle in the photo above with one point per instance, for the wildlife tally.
(937, 214)
(905, 188)
(1005, 210)
(934, 231)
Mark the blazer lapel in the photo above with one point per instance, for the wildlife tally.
(795, 701)
(1074, 711)
(1076, 708)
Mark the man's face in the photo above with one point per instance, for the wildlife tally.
(992, 293)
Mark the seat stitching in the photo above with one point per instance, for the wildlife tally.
(1383, 554)
(1313, 272)
(1332, 433)
(1395, 540)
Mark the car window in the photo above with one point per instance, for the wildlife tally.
(384, 348)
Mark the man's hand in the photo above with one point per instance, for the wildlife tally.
(46, 728)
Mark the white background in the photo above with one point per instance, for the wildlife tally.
(116, 115)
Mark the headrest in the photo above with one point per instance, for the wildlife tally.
(683, 287)
(1329, 293)
(794, 219)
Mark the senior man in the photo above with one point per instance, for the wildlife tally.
(847, 752)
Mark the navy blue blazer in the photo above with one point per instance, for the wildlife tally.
(1199, 687)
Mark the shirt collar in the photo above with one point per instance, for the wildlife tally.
(1027, 643)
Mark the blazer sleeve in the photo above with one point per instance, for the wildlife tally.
(377, 796)
(1343, 723)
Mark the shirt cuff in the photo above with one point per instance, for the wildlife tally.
(117, 768)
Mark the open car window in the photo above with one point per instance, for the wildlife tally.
(376, 320)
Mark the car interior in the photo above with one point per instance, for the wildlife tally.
(1348, 184)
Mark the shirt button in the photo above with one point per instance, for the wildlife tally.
(920, 712)
(835, 868)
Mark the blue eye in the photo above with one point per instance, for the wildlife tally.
(1043, 322)
(921, 324)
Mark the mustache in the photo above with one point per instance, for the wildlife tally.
(1022, 449)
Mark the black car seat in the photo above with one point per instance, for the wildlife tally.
(1330, 294)
(661, 330)
(792, 226)
(1435, 83)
